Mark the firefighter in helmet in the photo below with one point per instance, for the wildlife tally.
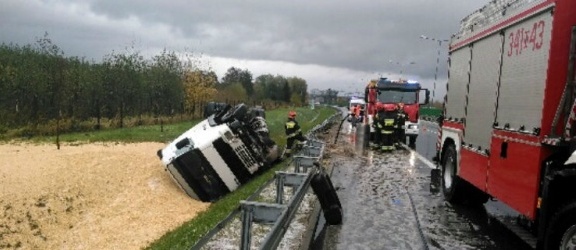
(293, 132)
(399, 125)
(355, 114)
(378, 124)
(388, 120)
(351, 114)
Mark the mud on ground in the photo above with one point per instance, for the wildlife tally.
(88, 196)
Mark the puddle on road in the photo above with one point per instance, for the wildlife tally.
(389, 203)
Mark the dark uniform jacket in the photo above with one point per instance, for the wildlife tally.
(401, 119)
(292, 128)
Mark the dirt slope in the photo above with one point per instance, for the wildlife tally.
(91, 196)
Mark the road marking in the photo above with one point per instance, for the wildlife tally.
(420, 157)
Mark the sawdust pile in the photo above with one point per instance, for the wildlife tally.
(89, 196)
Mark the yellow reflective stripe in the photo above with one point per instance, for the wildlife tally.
(290, 124)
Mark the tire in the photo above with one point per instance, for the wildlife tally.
(333, 215)
(561, 232)
(329, 201)
(218, 116)
(238, 113)
(331, 187)
(455, 189)
(475, 196)
(451, 183)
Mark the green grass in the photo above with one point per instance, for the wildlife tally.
(135, 134)
(153, 133)
(190, 232)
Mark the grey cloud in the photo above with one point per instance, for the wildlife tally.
(360, 35)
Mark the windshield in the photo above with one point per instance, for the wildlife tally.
(395, 96)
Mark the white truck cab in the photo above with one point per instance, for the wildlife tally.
(219, 154)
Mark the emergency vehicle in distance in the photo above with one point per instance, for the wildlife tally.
(394, 92)
(508, 130)
(353, 102)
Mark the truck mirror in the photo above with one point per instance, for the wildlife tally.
(426, 97)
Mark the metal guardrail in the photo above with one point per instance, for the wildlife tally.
(276, 213)
(304, 163)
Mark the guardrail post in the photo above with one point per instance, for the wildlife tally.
(247, 216)
(303, 163)
(279, 188)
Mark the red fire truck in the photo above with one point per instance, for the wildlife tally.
(387, 91)
(508, 124)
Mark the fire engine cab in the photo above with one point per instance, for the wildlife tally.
(388, 91)
(508, 124)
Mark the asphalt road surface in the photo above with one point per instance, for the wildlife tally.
(391, 202)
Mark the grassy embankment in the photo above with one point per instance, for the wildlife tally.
(189, 233)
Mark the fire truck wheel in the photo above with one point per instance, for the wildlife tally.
(451, 184)
(561, 233)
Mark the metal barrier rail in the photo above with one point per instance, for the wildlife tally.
(278, 214)
(303, 162)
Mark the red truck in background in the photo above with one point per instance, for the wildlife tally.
(508, 129)
(387, 91)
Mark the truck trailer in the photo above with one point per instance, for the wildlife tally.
(507, 131)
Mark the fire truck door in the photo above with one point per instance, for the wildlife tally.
(514, 153)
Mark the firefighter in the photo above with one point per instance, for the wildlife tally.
(388, 126)
(357, 113)
(377, 123)
(399, 125)
(293, 132)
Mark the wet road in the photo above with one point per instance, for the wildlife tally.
(389, 203)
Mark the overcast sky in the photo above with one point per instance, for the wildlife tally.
(330, 43)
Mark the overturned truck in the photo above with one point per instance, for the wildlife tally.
(221, 153)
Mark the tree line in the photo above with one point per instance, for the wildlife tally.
(41, 87)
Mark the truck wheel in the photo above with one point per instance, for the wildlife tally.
(329, 201)
(451, 183)
(238, 112)
(561, 233)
